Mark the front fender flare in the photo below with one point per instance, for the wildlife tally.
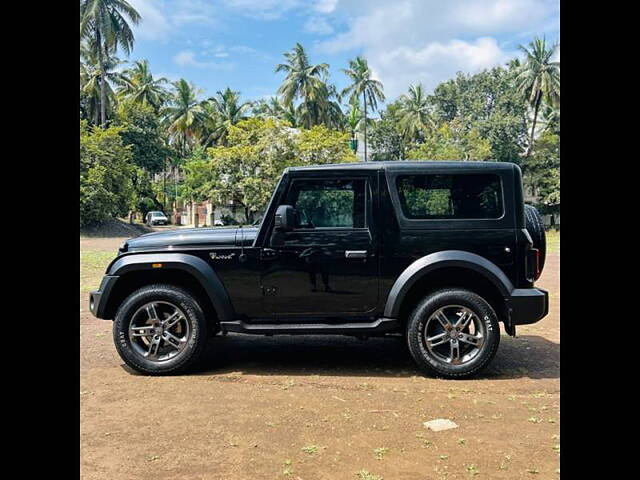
(435, 261)
(191, 264)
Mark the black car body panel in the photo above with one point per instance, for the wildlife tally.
(332, 276)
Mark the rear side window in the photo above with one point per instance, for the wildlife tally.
(461, 196)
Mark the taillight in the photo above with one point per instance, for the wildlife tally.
(533, 265)
(538, 272)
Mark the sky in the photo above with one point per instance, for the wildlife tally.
(237, 43)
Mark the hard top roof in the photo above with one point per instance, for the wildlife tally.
(408, 165)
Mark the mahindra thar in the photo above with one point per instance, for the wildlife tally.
(439, 252)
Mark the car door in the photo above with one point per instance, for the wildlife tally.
(328, 264)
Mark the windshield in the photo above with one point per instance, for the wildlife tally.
(157, 214)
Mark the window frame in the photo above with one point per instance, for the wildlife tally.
(368, 192)
(506, 220)
(452, 218)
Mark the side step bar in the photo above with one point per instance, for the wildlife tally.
(381, 325)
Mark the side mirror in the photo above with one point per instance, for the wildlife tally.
(284, 219)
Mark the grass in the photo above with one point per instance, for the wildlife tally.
(365, 475)
(93, 264)
(380, 452)
(553, 241)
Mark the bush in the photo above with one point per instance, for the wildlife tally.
(105, 174)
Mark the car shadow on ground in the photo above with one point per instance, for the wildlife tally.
(526, 356)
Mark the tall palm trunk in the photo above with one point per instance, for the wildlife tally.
(364, 98)
(103, 93)
(533, 127)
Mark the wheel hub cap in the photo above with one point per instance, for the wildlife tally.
(159, 331)
(454, 334)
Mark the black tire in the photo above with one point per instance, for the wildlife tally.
(195, 324)
(485, 317)
(535, 227)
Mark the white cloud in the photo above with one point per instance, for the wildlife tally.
(161, 18)
(154, 24)
(434, 63)
(264, 9)
(318, 25)
(428, 41)
(187, 58)
(325, 6)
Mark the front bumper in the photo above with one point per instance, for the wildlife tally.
(527, 305)
(98, 298)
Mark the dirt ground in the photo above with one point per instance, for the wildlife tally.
(320, 408)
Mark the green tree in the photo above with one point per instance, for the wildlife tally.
(362, 84)
(150, 153)
(229, 110)
(182, 116)
(104, 24)
(387, 139)
(303, 80)
(139, 85)
(105, 174)
(414, 113)
(94, 96)
(488, 102)
(541, 172)
(324, 109)
(320, 145)
(274, 108)
(539, 79)
(246, 170)
(319, 102)
(141, 129)
(452, 142)
(354, 119)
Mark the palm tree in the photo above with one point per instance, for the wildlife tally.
(104, 24)
(140, 86)
(229, 110)
(323, 109)
(271, 108)
(414, 113)
(274, 108)
(363, 84)
(98, 97)
(303, 81)
(182, 116)
(353, 120)
(539, 79)
(208, 125)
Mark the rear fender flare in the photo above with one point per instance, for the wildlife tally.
(434, 261)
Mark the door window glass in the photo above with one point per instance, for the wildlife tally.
(328, 203)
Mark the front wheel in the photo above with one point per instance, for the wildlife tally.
(160, 330)
(453, 333)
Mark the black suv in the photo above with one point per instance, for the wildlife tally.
(439, 252)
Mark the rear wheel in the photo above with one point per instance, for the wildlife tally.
(159, 330)
(453, 333)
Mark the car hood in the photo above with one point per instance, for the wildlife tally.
(193, 237)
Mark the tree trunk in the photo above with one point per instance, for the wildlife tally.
(533, 127)
(364, 98)
(103, 96)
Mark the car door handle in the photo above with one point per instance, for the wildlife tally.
(355, 254)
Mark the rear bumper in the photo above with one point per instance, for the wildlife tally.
(98, 298)
(527, 305)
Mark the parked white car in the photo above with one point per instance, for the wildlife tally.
(156, 218)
